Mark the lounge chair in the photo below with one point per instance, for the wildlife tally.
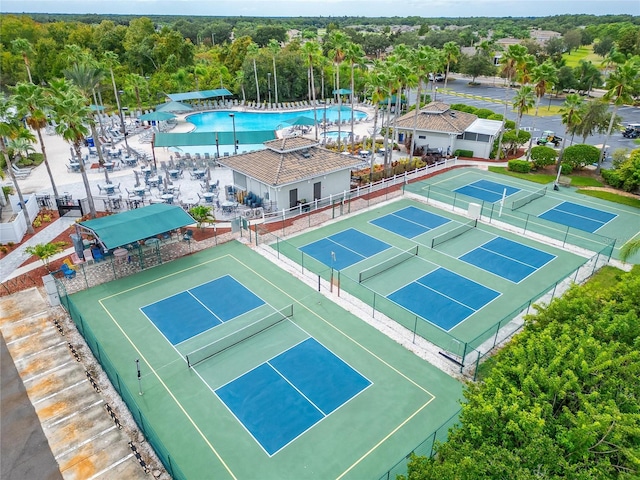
(67, 271)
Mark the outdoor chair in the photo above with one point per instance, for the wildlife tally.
(97, 254)
(187, 235)
(67, 271)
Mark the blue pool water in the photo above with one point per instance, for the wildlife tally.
(220, 121)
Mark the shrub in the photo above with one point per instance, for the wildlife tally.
(461, 107)
(483, 113)
(495, 116)
(580, 155)
(611, 177)
(509, 124)
(463, 153)
(520, 166)
(541, 156)
(566, 169)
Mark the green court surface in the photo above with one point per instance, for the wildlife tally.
(624, 226)
(473, 330)
(193, 430)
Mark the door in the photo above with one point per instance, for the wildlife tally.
(317, 190)
(293, 197)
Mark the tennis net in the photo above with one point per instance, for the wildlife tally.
(238, 336)
(521, 202)
(387, 264)
(453, 233)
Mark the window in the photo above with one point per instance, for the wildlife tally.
(422, 137)
(483, 138)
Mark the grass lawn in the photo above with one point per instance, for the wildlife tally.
(583, 53)
(576, 181)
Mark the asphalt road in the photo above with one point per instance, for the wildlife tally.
(495, 90)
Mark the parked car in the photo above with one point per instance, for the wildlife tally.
(437, 77)
(632, 131)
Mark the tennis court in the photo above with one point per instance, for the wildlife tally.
(345, 248)
(442, 273)
(244, 369)
(578, 216)
(487, 190)
(564, 214)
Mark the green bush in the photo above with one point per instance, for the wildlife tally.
(611, 177)
(520, 166)
(495, 116)
(483, 113)
(509, 124)
(463, 153)
(541, 156)
(580, 155)
(463, 108)
(566, 169)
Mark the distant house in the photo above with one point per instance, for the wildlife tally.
(290, 171)
(439, 127)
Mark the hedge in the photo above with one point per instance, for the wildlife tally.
(463, 153)
(520, 166)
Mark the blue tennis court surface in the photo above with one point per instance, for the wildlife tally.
(443, 297)
(486, 190)
(578, 216)
(410, 222)
(284, 397)
(508, 259)
(345, 248)
(191, 312)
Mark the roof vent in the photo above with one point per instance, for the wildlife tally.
(306, 154)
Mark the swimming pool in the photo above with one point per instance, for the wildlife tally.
(220, 121)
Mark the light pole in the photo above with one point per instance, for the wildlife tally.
(435, 96)
(269, 86)
(217, 147)
(235, 142)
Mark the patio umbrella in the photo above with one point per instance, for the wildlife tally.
(301, 121)
(173, 107)
(156, 116)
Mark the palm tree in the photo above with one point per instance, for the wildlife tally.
(354, 54)
(311, 51)
(523, 101)
(252, 52)
(376, 87)
(10, 128)
(544, 76)
(87, 79)
(32, 103)
(24, 48)
(452, 53)
(629, 248)
(621, 85)
(71, 114)
(423, 62)
(274, 48)
(571, 116)
(513, 57)
(338, 42)
(239, 80)
(111, 59)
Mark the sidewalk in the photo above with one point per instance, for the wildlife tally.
(9, 265)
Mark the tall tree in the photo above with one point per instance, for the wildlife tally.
(514, 56)
(544, 77)
(111, 60)
(622, 84)
(523, 101)
(338, 42)
(32, 104)
(354, 54)
(312, 51)
(423, 61)
(10, 128)
(452, 55)
(24, 48)
(252, 53)
(571, 116)
(274, 48)
(376, 88)
(71, 114)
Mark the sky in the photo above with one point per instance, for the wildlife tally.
(295, 8)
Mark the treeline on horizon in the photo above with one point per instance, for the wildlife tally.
(559, 23)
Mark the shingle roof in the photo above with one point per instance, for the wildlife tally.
(289, 160)
(438, 117)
